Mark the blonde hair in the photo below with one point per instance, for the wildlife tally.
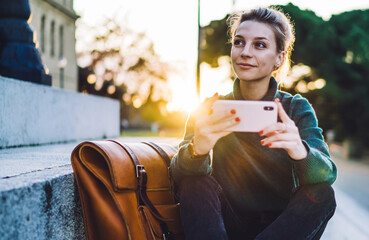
(282, 28)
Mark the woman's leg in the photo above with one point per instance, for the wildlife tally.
(200, 207)
(306, 215)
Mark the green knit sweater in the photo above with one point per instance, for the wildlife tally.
(255, 177)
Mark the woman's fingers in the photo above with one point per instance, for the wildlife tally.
(215, 118)
(206, 126)
(209, 103)
(281, 112)
(287, 125)
(282, 144)
(207, 134)
(296, 150)
(279, 127)
(226, 124)
(205, 107)
(288, 141)
(279, 137)
(284, 135)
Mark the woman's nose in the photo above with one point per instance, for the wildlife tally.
(246, 51)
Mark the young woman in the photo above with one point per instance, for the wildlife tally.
(274, 184)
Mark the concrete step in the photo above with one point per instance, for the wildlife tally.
(38, 194)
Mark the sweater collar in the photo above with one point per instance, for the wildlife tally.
(269, 96)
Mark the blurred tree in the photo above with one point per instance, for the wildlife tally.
(334, 52)
(87, 84)
(214, 42)
(337, 51)
(120, 63)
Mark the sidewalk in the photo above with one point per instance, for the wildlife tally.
(351, 220)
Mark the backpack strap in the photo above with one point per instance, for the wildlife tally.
(166, 159)
(161, 152)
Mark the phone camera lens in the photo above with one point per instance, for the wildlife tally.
(268, 108)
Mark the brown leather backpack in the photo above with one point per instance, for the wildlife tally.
(125, 190)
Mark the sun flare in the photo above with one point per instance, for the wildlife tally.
(213, 80)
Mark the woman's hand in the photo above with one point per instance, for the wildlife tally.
(210, 128)
(284, 135)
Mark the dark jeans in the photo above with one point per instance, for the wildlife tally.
(206, 213)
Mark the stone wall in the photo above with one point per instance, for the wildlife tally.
(33, 114)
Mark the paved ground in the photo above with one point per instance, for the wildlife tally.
(351, 220)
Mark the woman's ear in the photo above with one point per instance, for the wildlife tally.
(280, 58)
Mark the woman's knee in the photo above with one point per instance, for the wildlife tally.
(199, 184)
(320, 192)
(320, 195)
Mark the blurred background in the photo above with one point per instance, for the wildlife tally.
(161, 58)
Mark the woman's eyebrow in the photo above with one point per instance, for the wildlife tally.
(262, 38)
(256, 38)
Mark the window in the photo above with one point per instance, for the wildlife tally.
(52, 39)
(42, 36)
(61, 41)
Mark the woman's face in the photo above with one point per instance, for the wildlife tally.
(254, 51)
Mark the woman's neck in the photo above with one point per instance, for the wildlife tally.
(254, 90)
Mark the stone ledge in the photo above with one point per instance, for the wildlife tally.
(38, 195)
(48, 208)
(32, 114)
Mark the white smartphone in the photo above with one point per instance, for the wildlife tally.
(254, 115)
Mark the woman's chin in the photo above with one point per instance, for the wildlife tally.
(248, 78)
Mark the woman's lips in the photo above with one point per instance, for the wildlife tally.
(245, 65)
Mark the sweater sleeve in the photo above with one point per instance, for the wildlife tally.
(317, 166)
(182, 163)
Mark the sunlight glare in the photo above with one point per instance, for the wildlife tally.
(137, 102)
(111, 89)
(320, 83)
(91, 79)
(216, 80)
(183, 100)
(297, 72)
(311, 86)
(213, 80)
(301, 87)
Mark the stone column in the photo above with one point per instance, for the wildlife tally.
(19, 57)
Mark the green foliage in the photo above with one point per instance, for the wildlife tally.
(214, 42)
(336, 50)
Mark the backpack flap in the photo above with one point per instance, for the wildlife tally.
(110, 162)
(106, 160)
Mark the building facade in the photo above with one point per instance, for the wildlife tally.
(53, 23)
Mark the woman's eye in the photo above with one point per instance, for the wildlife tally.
(238, 42)
(260, 45)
